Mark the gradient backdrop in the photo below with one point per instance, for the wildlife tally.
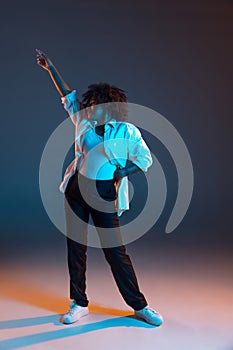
(172, 56)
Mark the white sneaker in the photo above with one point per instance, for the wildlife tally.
(74, 314)
(150, 316)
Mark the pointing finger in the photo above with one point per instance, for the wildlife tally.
(39, 52)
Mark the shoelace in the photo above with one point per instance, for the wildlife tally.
(72, 309)
(151, 310)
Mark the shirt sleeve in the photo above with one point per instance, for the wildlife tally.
(138, 151)
(71, 105)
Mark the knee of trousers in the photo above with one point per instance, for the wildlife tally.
(115, 254)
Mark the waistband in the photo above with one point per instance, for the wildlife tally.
(88, 180)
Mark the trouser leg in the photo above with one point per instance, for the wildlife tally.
(107, 225)
(76, 230)
(77, 271)
(125, 277)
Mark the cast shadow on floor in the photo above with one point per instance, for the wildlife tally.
(67, 330)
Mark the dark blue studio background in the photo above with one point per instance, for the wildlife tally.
(172, 56)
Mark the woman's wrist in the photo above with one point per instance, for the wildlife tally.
(52, 69)
(125, 171)
(122, 172)
(133, 168)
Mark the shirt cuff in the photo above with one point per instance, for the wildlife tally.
(68, 99)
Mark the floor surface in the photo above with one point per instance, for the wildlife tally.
(191, 288)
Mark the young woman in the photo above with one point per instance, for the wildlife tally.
(107, 150)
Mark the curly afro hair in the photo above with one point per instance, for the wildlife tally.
(105, 93)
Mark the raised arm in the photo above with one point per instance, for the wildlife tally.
(45, 62)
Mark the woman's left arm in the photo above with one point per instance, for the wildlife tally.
(138, 154)
(128, 170)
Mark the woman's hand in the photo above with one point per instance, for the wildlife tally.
(43, 60)
(119, 173)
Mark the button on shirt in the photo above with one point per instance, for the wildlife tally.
(122, 142)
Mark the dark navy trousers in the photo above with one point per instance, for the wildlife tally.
(84, 198)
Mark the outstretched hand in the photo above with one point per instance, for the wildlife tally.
(43, 60)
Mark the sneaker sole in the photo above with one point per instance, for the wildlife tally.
(64, 321)
(157, 324)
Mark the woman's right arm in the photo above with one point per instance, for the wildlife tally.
(45, 62)
(68, 96)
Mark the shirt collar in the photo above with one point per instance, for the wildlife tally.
(111, 122)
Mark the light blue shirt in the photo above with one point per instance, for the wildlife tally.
(122, 141)
(95, 162)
